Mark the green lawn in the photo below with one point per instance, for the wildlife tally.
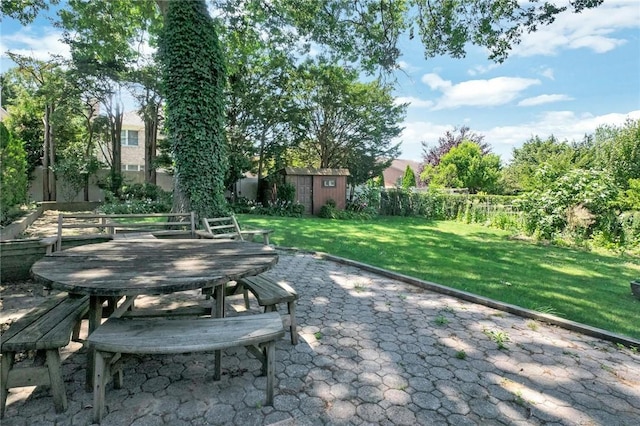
(590, 288)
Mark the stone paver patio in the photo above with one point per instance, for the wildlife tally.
(373, 350)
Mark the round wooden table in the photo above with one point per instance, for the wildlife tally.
(132, 267)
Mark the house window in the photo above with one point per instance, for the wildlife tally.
(328, 183)
(132, 168)
(129, 138)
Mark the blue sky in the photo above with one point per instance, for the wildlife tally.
(566, 79)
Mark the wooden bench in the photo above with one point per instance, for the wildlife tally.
(173, 336)
(227, 228)
(129, 225)
(45, 329)
(269, 293)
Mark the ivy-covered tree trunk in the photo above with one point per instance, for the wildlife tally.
(194, 79)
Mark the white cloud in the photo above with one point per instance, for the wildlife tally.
(413, 102)
(40, 45)
(417, 131)
(544, 99)
(593, 29)
(482, 69)
(562, 124)
(492, 92)
(548, 73)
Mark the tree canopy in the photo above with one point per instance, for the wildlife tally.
(465, 166)
(361, 33)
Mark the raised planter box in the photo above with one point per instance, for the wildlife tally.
(635, 288)
(16, 228)
(18, 256)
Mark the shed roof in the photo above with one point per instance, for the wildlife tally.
(312, 171)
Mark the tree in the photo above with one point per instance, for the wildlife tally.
(431, 155)
(362, 32)
(13, 173)
(147, 91)
(49, 85)
(102, 55)
(524, 171)
(194, 78)
(618, 150)
(25, 118)
(409, 178)
(465, 166)
(349, 124)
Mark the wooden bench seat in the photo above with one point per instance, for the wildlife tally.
(45, 329)
(269, 293)
(173, 336)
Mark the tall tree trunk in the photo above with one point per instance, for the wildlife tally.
(151, 145)
(52, 157)
(46, 196)
(116, 149)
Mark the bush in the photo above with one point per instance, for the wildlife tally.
(548, 212)
(138, 198)
(13, 179)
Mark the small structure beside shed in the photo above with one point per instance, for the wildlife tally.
(314, 187)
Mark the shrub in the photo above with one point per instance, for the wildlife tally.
(138, 198)
(13, 179)
(546, 211)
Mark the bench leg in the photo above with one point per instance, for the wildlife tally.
(270, 352)
(95, 318)
(217, 365)
(57, 383)
(6, 363)
(291, 307)
(99, 382)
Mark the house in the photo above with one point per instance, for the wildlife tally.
(314, 187)
(393, 174)
(132, 141)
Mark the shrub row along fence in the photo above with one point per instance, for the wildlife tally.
(498, 210)
(504, 212)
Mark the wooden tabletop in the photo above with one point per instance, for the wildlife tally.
(151, 266)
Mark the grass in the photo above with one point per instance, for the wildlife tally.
(587, 287)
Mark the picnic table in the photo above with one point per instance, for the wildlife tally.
(149, 267)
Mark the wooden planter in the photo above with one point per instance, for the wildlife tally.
(635, 288)
(17, 257)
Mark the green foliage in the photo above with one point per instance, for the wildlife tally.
(618, 150)
(328, 212)
(348, 124)
(435, 204)
(286, 192)
(553, 157)
(630, 198)
(138, 198)
(548, 211)
(13, 163)
(465, 166)
(409, 178)
(194, 79)
(584, 286)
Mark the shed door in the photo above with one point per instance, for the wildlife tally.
(305, 193)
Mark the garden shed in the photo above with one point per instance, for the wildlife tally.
(314, 187)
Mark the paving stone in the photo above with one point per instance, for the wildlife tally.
(381, 360)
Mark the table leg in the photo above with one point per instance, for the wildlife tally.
(219, 295)
(95, 317)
